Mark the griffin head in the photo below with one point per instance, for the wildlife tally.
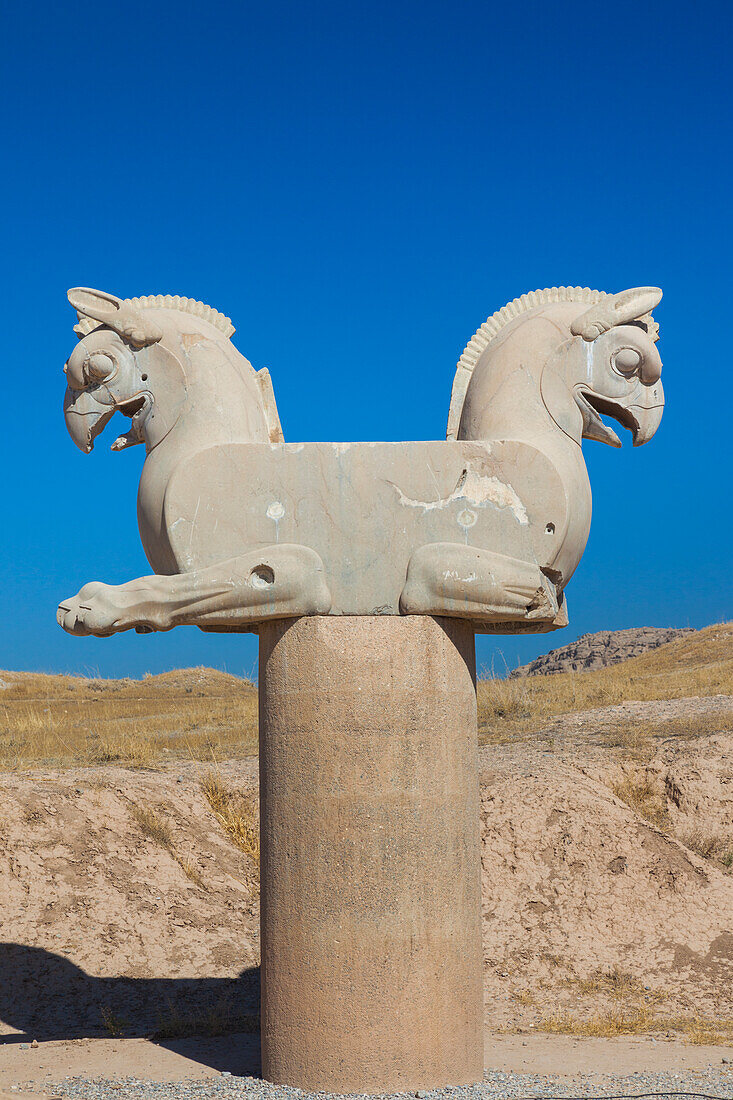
(114, 368)
(622, 366)
(609, 366)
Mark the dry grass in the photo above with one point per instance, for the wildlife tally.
(237, 813)
(203, 714)
(697, 664)
(157, 828)
(704, 1032)
(223, 1019)
(638, 738)
(639, 1020)
(634, 1010)
(525, 997)
(615, 982)
(114, 1025)
(709, 845)
(154, 826)
(644, 796)
(65, 721)
(605, 1025)
(190, 870)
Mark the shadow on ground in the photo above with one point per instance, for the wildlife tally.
(44, 996)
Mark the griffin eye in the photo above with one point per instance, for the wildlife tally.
(98, 367)
(627, 360)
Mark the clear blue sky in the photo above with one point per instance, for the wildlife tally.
(358, 186)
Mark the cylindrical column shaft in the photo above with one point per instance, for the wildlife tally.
(371, 901)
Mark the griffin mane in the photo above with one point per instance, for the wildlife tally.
(85, 325)
(491, 328)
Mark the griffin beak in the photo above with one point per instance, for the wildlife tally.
(642, 417)
(648, 417)
(85, 417)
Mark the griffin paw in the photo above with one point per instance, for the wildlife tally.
(544, 604)
(94, 610)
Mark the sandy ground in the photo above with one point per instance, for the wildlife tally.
(199, 1059)
(103, 933)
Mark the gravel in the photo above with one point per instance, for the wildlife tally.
(711, 1082)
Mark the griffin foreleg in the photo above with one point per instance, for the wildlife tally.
(275, 583)
(446, 578)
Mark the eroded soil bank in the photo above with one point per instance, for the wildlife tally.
(600, 914)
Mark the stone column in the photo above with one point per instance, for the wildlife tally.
(371, 901)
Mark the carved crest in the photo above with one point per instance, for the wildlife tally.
(125, 315)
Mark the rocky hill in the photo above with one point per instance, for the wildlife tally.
(606, 647)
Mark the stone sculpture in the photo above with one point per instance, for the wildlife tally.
(365, 568)
(241, 527)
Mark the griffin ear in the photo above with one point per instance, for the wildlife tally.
(94, 303)
(116, 314)
(617, 309)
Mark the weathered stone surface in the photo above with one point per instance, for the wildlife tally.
(242, 528)
(606, 647)
(371, 938)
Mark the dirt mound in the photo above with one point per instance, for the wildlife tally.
(606, 647)
(199, 679)
(177, 679)
(576, 883)
(132, 926)
(114, 920)
(691, 784)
